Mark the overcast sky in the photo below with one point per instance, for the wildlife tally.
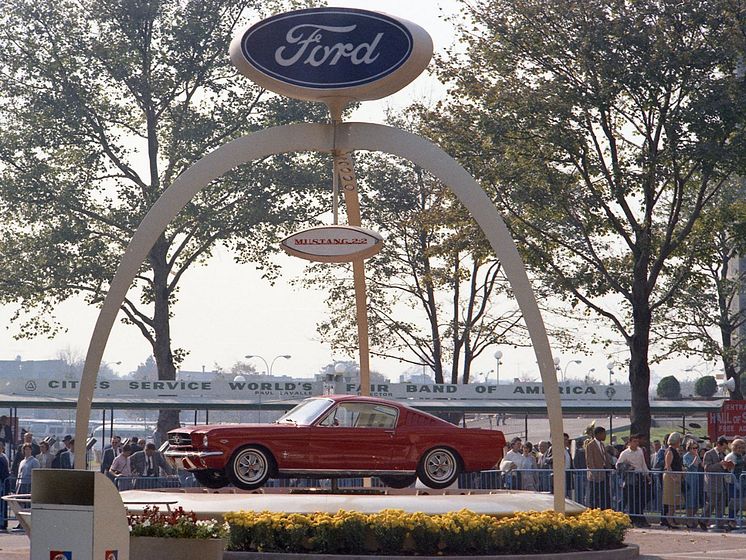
(226, 311)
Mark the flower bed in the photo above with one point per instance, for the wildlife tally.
(175, 524)
(394, 532)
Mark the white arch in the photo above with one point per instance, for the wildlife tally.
(324, 138)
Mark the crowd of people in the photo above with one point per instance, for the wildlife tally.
(682, 479)
(123, 460)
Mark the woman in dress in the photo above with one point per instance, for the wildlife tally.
(528, 468)
(672, 467)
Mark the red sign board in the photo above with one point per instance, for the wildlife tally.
(729, 422)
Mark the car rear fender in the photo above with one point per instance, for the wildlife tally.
(483, 452)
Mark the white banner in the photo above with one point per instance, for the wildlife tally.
(267, 388)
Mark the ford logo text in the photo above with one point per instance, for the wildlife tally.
(326, 52)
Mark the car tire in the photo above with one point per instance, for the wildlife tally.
(211, 478)
(398, 481)
(439, 468)
(250, 467)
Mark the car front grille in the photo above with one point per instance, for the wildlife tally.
(179, 439)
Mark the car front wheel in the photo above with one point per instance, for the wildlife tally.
(211, 478)
(249, 468)
(439, 468)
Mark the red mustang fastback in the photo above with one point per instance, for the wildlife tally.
(336, 436)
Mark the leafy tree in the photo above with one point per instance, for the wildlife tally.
(603, 129)
(706, 386)
(103, 103)
(668, 388)
(436, 268)
(147, 370)
(706, 314)
(242, 367)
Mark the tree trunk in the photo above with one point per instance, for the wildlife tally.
(639, 370)
(167, 419)
(726, 330)
(455, 336)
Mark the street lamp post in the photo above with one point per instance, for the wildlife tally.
(610, 367)
(588, 375)
(498, 355)
(557, 367)
(564, 373)
(268, 365)
(285, 356)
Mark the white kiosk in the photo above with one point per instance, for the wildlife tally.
(77, 515)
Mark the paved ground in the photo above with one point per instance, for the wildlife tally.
(14, 546)
(687, 545)
(655, 544)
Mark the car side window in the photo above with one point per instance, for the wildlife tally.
(361, 415)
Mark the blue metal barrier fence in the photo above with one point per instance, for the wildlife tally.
(696, 499)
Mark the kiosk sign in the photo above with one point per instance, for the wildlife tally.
(322, 53)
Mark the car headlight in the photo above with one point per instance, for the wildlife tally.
(204, 441)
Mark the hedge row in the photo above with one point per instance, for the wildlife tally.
(397, 532)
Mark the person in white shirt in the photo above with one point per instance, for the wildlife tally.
(510, 463)
(632, 464)
(27, 464)
(121, 470)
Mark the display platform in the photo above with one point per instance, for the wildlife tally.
(215, 504)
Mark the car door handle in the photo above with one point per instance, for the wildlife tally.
(390, 432)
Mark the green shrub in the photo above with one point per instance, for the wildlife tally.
(669, 388)
(706, 386)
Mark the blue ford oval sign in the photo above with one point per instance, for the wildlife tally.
(323, 53)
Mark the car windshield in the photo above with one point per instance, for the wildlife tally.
(306, 412)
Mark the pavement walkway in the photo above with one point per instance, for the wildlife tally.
(655, 544)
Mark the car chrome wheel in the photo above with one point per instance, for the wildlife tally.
(439, 468)
(249, 468)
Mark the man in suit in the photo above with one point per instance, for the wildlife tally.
(4, 475)
(6, 432)
(599, 466)
(148, 463)
(67, 457)
(715, 474)
(110, 453)
(136, 444)
(60, 451)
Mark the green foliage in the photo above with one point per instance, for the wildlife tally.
(703, 316)
(668, 388)
(602, 130)
(706, 386)
(435, 266)
(103, 104)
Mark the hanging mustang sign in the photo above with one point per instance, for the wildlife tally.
(338, 243)
(325, 53)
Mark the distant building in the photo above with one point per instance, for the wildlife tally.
(34, 369)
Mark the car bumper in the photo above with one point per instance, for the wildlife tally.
(194, 460)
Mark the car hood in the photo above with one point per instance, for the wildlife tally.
(229, 428)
